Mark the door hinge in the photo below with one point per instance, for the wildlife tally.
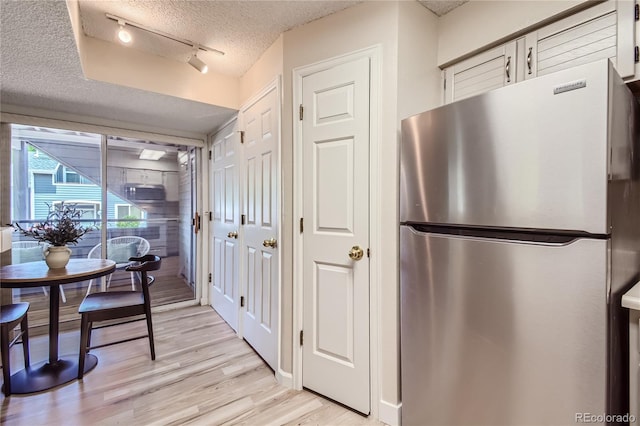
(241, 136)
(637, 12)
(368, 252)
(301, 112)
(301, 225)
(210, 277)
(243, 219)
(636, 54)
(301, 337)
(210, 216)
(242, 301)
(209, 154)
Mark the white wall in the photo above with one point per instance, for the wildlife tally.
(478, 23)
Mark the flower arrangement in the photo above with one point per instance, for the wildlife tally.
(61, 227)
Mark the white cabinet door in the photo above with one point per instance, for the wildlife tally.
(600, 32)
(581, 38)
(486, 71)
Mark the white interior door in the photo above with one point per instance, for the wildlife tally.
(335, 135)
(260, 247)
(225, 193)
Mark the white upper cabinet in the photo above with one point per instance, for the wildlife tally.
(481, 73)
(606, 30)
(603, 31)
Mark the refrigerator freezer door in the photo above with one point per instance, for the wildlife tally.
(497, 332)
(531, 155)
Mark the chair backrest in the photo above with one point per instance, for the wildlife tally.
(26, 251)
(149, 262)
(120, 249)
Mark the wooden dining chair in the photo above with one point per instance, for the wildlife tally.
(10, 317)
(110, 305)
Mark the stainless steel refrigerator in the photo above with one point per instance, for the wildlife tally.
(520, 220)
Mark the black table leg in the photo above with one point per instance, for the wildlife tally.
(54, 317)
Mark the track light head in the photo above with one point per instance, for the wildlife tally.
(198, 64)
(123, 34)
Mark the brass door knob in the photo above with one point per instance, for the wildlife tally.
(271, 242)
(233, 235)
(356, 253)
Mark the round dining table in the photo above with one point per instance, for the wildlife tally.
(58, 369)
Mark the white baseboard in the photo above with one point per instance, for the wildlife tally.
(389, 413)
(285, 379)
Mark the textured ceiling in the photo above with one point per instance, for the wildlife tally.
(40, 67)
(241, 29)
(442, 7)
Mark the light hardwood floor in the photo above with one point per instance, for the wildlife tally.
(203, 375)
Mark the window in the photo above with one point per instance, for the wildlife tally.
(128, 216)
(65, 175)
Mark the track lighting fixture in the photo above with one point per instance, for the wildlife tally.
(123, 34)
(197, 63)
(194, 61)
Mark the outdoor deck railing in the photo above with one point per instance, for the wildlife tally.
(162, 235)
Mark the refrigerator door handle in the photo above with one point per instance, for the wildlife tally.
(513, 236)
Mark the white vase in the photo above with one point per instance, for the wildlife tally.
(57, 257)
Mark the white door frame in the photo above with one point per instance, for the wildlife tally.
(374, 54)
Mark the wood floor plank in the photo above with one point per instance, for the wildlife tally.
(203, 375)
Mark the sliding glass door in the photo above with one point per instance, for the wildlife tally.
(149, 211)
(138, 195)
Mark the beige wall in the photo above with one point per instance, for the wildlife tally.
(419, 79)
(478, 23)
(263, 72)
(115, 64)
